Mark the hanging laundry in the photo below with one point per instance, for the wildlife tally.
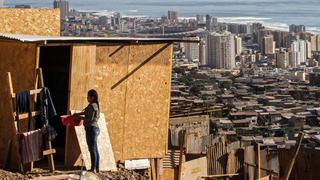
(23, 106)
(48, 111)
(31, 146)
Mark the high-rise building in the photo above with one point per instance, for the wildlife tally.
(282, 59)
(268, 45)
(238, 45)
(280, 38)
(315, 42)
(297, 28)
(103, 20)
(192, 50)
(308, 50)
(211, 23)
(221, 50)
(256, 27)
(202, 52)
(173, 16)
(116, 20)
(299, 52)
(200, 19)
(63, 5)
(249, 29)
(260, 34)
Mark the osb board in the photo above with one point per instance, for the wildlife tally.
(194, 169)
(81, 81)
(14, 56)
(112, 65)
(107, 161)
(170, 174)
(147, 101)
(135, 100)
(30, 21)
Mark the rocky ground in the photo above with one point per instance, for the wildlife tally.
(121, 174)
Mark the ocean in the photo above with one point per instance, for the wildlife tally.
(277, 14)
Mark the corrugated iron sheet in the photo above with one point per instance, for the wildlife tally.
(48, 39)
(224, 158)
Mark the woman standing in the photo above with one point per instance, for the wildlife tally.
(91, 115)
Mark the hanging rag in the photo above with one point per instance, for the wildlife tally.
(23, 106)
(48, 111)
(31, 146)
(175, 135)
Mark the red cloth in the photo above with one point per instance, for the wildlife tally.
(31, 146)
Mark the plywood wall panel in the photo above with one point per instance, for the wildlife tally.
(147, 103)
(44, 22)
(81, 81)
(20, 60)
(133, 82)
(111, 67)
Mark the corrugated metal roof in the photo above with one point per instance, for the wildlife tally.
(48, 39)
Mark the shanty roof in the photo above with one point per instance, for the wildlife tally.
(57, 39)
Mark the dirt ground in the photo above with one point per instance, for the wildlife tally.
(40, 174)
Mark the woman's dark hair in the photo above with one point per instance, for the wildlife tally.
(93, 93)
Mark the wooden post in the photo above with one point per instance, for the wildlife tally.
(159, 169)
(259, 161)
(296, 152)
(153, 169)
(182, 153)
(10, 84)
(50, 158)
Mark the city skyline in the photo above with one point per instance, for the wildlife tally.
(280, 16)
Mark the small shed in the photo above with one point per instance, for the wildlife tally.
(131, 75)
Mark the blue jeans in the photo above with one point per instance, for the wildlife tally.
(92, 134)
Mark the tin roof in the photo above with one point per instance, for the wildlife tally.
(57, 39)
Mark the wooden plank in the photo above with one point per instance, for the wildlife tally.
(159, 169)
(296, 152)
(263, 169)
(220, 175)
(50, 151)
(259, 160)
(107, 161)
(32, 92)
(170, 174)
(50, 158)
(182, 153)
(26, 115)
(264, 178)
(153, 169)
(81, 80)
(250, 158)
(194, 169)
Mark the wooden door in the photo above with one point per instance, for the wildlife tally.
(83, 58)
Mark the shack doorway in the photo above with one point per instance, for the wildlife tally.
(55, 64)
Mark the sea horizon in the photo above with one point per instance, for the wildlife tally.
(275, 14)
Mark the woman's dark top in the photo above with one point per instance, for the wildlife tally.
(91, 115)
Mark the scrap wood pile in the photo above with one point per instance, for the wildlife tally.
(124, 174)
(6, 175)
(121, 174)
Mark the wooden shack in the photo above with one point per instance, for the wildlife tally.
(131, 75)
